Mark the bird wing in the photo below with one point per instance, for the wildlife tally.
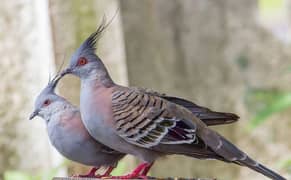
(147, 120)
(209, 117)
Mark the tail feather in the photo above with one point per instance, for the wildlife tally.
(262, 169)
(231, 153)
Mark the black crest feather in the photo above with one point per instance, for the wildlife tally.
(53, 81)
(92, 40)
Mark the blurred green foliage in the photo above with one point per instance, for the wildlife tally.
(265, 103)
(285, 164)
(243, 62)
(21, 175)
(270, 7)
(15, 175)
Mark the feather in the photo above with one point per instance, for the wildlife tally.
(144, 120)
(209, 117)
(231, 153)
(91, 42)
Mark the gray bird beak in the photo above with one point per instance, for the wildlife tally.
(33, 114)
(66, 71)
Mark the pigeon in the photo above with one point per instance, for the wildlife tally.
(68, 134)
(144, 124)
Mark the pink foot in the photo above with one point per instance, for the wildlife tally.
(147, 169)
(107, 173)
(138, 173)
(91, 173)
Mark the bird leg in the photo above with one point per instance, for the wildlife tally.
(107, 172)
(139, 172)
(91, 173)
(147, 169)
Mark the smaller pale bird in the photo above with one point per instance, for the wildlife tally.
(68, 134)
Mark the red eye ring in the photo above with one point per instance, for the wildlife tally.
(46, 102)
(82, 61)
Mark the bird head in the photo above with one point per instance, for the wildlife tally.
(47, 102)
(84, 63)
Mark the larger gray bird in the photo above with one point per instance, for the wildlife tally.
(145, 124)
(68, 134)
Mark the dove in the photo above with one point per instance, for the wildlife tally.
(146, 124)
(68, 135)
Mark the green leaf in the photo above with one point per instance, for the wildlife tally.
(280, 103)
(16, 175)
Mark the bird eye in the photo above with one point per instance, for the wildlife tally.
(82, 61)
(46, 102)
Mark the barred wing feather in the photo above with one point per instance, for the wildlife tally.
(144, 120)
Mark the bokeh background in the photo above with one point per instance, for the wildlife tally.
(228, 55)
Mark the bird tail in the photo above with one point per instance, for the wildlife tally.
(263, 170)
(231, 153)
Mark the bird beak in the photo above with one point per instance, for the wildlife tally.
(66, 71)
(33, 114)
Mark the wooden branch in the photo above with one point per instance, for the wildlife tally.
(152, 178)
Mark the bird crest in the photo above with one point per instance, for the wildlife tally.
(91, 42)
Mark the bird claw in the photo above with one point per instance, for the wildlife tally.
(91, 174)
(139, 173)
(86, 176)
(99, 176)
(83, 176)
(128, 176)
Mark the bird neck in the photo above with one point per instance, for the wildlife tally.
(59, 109)
(98, 74)
(96, 84)
(106, 80)
(100, 79)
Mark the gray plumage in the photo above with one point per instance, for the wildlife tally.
(147, 124)
(67, 132)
